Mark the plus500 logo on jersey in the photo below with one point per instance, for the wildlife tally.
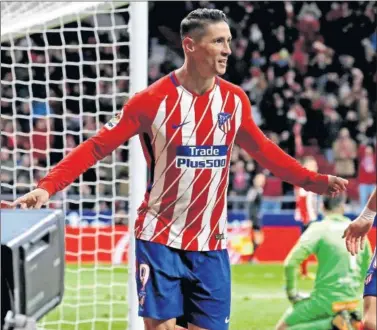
(201, 156)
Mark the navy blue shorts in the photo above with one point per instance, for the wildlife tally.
(370, 287)
(192, 286)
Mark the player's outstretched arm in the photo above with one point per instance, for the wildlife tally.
(114, 133)
(356, 233)
(273, 158)
(304, 247)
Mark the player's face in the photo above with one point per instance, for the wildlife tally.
(212, 50)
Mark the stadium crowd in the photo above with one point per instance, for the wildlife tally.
(309, 69)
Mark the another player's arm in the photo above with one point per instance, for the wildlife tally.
(357, 231)
(306, 246)
(273, 158)
(86, 155)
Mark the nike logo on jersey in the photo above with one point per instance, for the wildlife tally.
(227, 320)
(175, 126)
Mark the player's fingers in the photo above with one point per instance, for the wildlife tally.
(339, 189)
(345, 232)
(17, 201)
(348, 243)
(23, 206)
(31, 202)
(334, 193)
(342, 182)
(349, 246)
(345, 182)
(38, 205)
(353, 245)
(362, 242)
(339, 186)
(357, 244)
(5, 204)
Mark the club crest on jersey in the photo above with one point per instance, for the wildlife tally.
(223, 121)
(113, 121)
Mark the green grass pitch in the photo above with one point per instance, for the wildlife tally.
(258, 298)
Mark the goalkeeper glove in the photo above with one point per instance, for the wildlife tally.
(295, 297)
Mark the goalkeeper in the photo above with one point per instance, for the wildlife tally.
(339, 276)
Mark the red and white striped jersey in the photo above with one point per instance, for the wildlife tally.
(306, 205)
(188, 149)
(187, 141)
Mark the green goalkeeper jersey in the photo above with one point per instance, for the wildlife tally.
(339, 276)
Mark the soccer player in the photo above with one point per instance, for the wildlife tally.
(338, 279)
(355, 236)
(188, 122)
(306, 209)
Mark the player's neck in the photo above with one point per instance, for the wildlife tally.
(191, 80)
(336, 212)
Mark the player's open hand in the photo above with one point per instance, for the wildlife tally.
(356, 233)
(336, 185)
(32, 200)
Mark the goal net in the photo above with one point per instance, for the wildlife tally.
(65, 72)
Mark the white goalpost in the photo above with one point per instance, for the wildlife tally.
(66, 69)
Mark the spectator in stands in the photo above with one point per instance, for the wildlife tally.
(254, 200)
(90, 126)
(121, 215)
(85, 194)
(366, 173)
(70, 143)
(239, 179)
(26, 162)
(332, 124)
(345, 153)
(42, 139)
(24, 110)
(6, 173)
(8, 131)
(23, 184)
